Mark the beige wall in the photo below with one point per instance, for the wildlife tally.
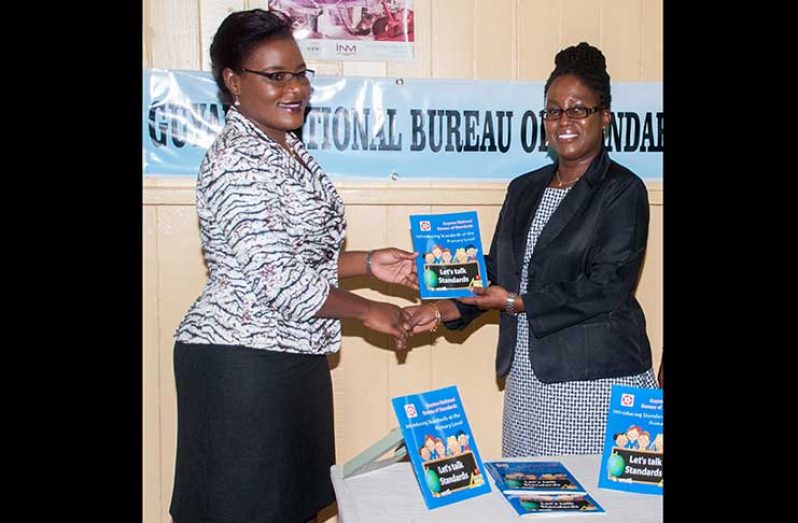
(465, 39)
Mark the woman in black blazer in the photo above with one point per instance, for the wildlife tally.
(563, 266)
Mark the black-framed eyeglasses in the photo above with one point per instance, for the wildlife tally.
(576, 111)
(285, 77)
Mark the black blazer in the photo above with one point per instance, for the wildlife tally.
(584, 320)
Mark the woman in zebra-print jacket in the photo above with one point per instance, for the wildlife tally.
(255, 428)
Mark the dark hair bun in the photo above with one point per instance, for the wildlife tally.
(588, 64)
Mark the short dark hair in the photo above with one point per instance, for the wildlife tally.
(588, 64)
(239, 34)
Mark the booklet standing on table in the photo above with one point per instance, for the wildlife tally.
(441, 446)
(451, 259)
(634, 441)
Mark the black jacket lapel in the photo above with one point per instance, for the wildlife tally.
(528, 200)
(574, 200)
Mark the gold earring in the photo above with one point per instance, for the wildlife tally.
(237, 102)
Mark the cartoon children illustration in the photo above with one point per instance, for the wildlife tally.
(440, 448)
(644, 440)
(462, 437)
(471, 253)
(424, 452)
(436, 252)
(620, 439)
(460, 255)
(429, 442)
(447, 256)
(452, 446)
(658, 445)
(632, 434)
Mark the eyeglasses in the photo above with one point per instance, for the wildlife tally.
(285, 77)
(576, 111)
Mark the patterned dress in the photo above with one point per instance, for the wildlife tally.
(553, 418)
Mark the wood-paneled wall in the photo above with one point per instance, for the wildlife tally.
(463, 39)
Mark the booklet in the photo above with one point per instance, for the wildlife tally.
(554, 504)
(441, 446)
(451, 259)
(634, 441)
(533, 477)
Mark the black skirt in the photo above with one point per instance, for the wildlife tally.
(255, 438)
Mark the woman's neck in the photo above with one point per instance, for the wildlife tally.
(570, 170)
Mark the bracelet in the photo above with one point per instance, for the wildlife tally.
(437, 317)
(369, 272)
(509, 306)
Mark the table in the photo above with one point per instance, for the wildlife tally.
(391, 495)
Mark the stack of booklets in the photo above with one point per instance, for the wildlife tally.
(541, 488)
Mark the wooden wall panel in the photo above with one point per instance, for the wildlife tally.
(174, 34)
(650, 286)
(412, 370)
(452, 39)
(360, 367)
(146, 55)
(539, 37)
(495, 40)
(150, 402)
(621, 38)
(182, 275)
(377, 69)
(581, 21)
(651, 52)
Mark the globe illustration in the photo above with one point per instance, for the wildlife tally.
(430, 279)
(529, 504)
(433, 482)
(615, 465)
(513, 483)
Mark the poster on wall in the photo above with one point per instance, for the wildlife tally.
(380, 30)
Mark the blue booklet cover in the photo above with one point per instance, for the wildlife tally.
(442, 449)
(451, 259)
(551, 504)
(633, 444)
(533, 477)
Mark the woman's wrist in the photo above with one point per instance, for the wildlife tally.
(509, 304)
(369, 268)
(438, 316)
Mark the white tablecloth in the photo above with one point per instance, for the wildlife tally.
(391, 494)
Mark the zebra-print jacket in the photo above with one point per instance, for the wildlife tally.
(271, 234)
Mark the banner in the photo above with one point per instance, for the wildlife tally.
(411, 129)
(352, 29)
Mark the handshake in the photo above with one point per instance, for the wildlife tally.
(401, 323)
(396, 266)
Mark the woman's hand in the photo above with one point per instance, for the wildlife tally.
(493, 297)
(393, 265)
(422, 318)
(388, 319)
